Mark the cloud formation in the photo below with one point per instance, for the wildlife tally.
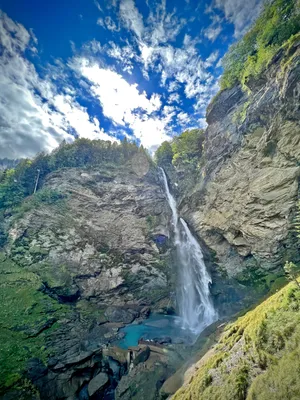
(124, 104)
(240, 13)
(146, 78)
(34, 115)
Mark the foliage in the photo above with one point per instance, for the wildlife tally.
(164, 154)
(185, 149)
(292, 271)
(278, 22)
(24, 314)
(18, 183)
(42, 196)
(3, 233)
(265, 340)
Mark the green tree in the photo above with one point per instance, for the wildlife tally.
(187, 147)
(164, 154)
(278, 22)
(292, 271)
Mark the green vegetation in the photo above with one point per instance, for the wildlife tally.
(276, 27)
(292, 271)
(257, 357)
(241, 113)
(27, 317)
(184, 150)
(164, 154)
(18, 183)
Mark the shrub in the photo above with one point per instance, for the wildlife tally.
(278, 22)
(18, 183)
(164, 154)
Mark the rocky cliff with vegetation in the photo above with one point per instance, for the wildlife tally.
(238, 182)
(86, 244)
(256, 358)
(85, 254)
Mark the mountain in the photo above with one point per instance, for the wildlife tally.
(87, 247)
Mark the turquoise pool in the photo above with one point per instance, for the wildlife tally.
(156, 326)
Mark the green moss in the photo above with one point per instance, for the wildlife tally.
(35, 250)
(280, 381)
(25, 316)
(90, 311)
(240, 115)
(151, 221)
(273, 30)
(265, 339)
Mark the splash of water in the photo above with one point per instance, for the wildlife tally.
(193, 296)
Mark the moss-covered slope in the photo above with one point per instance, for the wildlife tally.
(27, 319)
(257, 357)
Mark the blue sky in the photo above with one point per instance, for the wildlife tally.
(109, 69)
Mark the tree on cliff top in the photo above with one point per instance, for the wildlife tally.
(279, 20)
(185, 149)
(17, 183)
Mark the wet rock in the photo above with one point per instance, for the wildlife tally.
(102, 247)
(243, 206)
(121, 314)
(145, 312)
(162, 340)
(98, 383)
(36, 369)
(142, 355)
(116, 353)
(142, 382)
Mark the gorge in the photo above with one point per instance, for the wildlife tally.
(130, 277)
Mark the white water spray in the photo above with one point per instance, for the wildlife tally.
(193, 296)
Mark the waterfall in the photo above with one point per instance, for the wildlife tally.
(193, 296)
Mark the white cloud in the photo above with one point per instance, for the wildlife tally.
(76, 116)
(183, 118)
(174, 98)
(212, 58)
(212, 32)
(108, 23)
(34, 116)
(98, 5)
(240, 13)
(131, 17)
(100, 22)
(124, 104)
(124, 55)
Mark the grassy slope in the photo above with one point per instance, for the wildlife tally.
(257, 357)
(27, 317)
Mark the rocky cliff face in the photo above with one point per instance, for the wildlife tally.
(74, 271)
(107, 240)
(242, 207)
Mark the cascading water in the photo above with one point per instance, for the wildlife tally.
(193, 296)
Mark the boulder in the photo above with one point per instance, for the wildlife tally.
(142, 355)
(121, 314)
(98, 383)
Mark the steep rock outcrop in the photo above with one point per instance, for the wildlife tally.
(242, 207)
(105, 242)
(77, 267)
(257, 356)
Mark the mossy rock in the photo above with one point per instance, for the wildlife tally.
(257, 357)
(27, 316)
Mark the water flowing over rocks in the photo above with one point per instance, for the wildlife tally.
(243, 203)
(193, 281)
(104, 258)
